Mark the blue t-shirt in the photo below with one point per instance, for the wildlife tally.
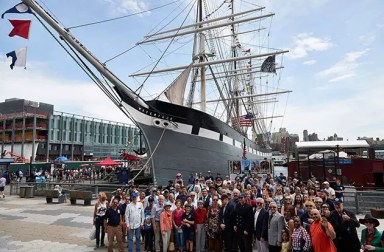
(147, 221)
(338, 188)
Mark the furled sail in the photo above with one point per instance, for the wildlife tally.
(175, 91)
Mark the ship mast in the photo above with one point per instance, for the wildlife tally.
(202, 59)
(234, 55)
(79, 47)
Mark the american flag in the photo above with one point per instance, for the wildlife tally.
(242, 121)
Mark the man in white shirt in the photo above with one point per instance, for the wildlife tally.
(331, 192)
(3, 181)
(134, 218)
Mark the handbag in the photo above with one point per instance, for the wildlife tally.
(171, 246)
(92, 234)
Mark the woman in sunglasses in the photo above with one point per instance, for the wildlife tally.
(370, 236)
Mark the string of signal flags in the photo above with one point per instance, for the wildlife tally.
(21, 28)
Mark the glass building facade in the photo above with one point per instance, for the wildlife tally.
(34, 131)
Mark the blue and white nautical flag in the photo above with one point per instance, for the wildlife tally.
(19, 57)
(18, 8)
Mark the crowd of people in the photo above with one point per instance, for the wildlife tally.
(215, 213)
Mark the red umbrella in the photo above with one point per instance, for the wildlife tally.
(108, 162)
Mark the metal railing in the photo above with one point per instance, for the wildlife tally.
(358, 201)
(362, 201)
(39, 188)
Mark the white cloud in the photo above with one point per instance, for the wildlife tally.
(349, 117)
(71, 96)
(344, 69)
(304, 43)
(367, 39)
(309, 62)
(132, 6)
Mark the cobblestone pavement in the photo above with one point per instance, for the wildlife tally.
(30, 224)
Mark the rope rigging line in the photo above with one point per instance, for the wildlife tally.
(162, 55)
(152, 153)
(125, 51)
(112, 19)
(78, 61)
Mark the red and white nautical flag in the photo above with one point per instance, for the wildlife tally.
(20, 28)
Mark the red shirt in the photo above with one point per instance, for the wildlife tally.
(200, 215)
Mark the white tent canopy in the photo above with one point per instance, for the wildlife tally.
(328, 154)
(332, 144)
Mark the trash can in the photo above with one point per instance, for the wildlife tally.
(29, 191)
(22, 191)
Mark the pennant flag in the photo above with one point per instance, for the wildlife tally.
(19, 57)
(244, 150)
(18, 8)
(242, 121)
(20, 28)
(269, 65)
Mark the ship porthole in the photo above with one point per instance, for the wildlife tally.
(157, 122)
(166, 124)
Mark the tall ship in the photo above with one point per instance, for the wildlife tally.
(220, 105)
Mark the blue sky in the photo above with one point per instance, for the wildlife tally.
(334, 66)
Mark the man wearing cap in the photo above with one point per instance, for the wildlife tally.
(331, 192)
(134, 218)
(344, 223)
(243, 226)
(226, 223)
(166, 195)
(209, 176)
(200, 221)
(339, 189)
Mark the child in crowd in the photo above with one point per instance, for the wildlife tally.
(148, 230)
(285, 242)
(188, 221)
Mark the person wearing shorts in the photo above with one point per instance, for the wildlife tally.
(3, 181)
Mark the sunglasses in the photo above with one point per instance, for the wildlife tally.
(259, 203)
(272, 207)
(324, 207)
(308, 206)
(317, 202)
(215, 199)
